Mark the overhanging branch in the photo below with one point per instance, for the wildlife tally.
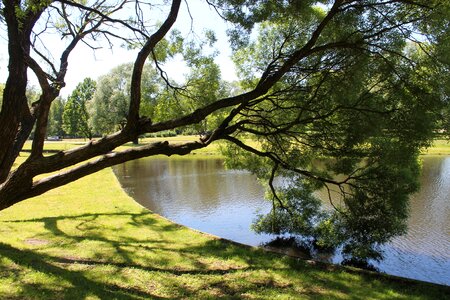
(107, 160)
(136, 77)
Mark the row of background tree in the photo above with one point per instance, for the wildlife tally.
(96, 108)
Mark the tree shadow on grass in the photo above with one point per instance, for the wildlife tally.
(100, 228)
(77, 284)
(89, 228)
(224, 269)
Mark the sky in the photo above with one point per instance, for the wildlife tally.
(84, 62)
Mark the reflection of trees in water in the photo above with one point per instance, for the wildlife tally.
(196, 187)
(196, 182)
(199, 183)
(193, 184)
(429, 219)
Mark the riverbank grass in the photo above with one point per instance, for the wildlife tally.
(439, 147)
(89, 240)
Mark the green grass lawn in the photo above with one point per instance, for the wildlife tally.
(89, 240)
(66, 144)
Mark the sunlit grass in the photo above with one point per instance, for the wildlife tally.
(89, 240)
(66, 144)
(440, 147)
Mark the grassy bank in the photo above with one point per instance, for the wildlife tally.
(89, 240)
(440, 147)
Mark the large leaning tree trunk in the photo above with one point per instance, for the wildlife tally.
(351, 83)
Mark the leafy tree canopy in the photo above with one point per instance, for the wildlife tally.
(348, 121)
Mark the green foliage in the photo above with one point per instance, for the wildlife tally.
(110, 103)
(55, 118)
(439, 60)
(345, 122)
(248, 14)
(292, 215)
(109, 107)
(75, 116)
(32, 93)
(202, 86)
(169, 47)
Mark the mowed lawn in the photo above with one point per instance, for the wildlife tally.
(89, 240)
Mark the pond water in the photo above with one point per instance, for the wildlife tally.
(201, 194)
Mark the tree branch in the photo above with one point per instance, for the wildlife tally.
(136, 77)
(107, 160)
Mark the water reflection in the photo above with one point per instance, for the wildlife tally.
(201, 194)
(198, 193)
(424, 252)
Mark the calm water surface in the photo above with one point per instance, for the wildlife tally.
(201, 194)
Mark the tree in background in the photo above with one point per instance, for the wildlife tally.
(202, 84)
(110, 103)
(109, 107)
(331, 100)
(75, 115)
(55, 118)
